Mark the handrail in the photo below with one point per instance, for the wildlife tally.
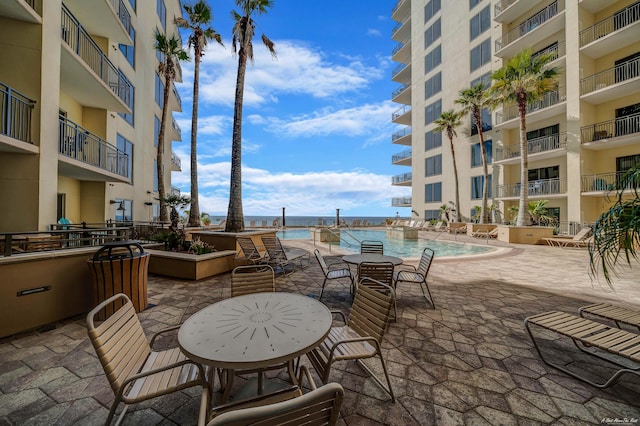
(620, 126)
(405, 177)
(548, 99)
(613, 23)
(535, 187)
(556, 51)
(175, 160)
(398, 47)
(177, 95)
(176, 126)
(83, 45)
(15, 114)
(397, 6)
(400, 134)
(399, 25)
(398, 69)
(401, 155)
(400, 112)
(621, 72)
(613, 181)
(534, 146)
(123, 14)
(527, 26)
(400, 90)
(400, 201)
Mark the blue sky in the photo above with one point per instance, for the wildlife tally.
(317, 120)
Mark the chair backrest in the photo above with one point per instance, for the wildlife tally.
(371, 309)
(369, 246)
(425, 262)
(274, 247)
(379, 271)
(318, 407)
(582, 234)
(248, 248)
(252, 279)
(439, 225)
(321, 261)
(119, 341)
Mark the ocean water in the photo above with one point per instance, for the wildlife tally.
(304, 221)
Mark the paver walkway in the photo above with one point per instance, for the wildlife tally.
(469, 361)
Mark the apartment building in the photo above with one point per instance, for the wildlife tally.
(81, 108)
(580, 138)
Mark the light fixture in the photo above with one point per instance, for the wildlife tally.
(121, 207)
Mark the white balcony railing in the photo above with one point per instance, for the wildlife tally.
(619, 73)
(547, 100)
(615, 22)
(534, 146)
(535, 187)
(621, 126)
(528, 25)
(403, 178)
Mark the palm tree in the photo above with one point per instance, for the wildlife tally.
(448, 122)
(474, 100)
(243, 32)
(199, 15)
(524, 79)
(171, 51)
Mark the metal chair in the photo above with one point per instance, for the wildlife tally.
(252, 279)
(250, 251)
(377, 272)
(334, 271)
(281, 257)
(135, 371)
(417, 275)
(370, 246)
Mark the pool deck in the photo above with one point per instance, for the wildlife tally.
(469, 361)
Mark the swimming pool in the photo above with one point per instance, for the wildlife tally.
(350, 240)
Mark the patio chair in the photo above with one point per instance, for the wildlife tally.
(360, 337)
(281, 257)
(580, 240)
(135, 371)
(485, 233)
(335, 271)
(252, 279)
(320, 406)
(370, 246)
(617, 314)
(417, 275)
(250, 252)
(437, 227)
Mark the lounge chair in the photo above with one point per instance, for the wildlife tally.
(281, 257)
(334, 271)
(579, 240)
(485, 233)
(250, 252)
(616, 314)
(437, 227)
(595, 336)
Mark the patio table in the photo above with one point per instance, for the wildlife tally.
(356, 259)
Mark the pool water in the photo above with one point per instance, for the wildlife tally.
(350, 240)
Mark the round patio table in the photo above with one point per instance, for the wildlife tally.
(356, 259)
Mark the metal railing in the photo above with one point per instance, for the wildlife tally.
(397, 6)
(122, 12)
(397, 70)
(81, 43)
(397, 48)
(620, 126)
(614, 181)
(175, 190)
(400, 134)
(176, 126)
(15, 114)
(401, 156)
(175, 160)
(399, 90)
(400, 112)
(548, 99)
(78, 143)
(501, 5)
(177, 95)
(528, 25)
(534, 146)
(535, 187)
(401, 201)
(621, 72)
(403, 178)
(399, 25)
(557, 51)
(32, 3)
(613, 23)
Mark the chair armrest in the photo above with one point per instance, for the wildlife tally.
(404, 267)
(370, 339)
(304, 372)
(135, 377)
(337, 265)
(164, 330)
(344, 318)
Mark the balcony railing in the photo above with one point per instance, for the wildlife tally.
(123, 14)
(175, 92)
(614, 181)
(15, 114)
(402, 111)
(78, 143)
(32, 3)
(556, 51)
(547, 100)
(502, 5)
(400, 201)
(397, 48)
(401, 156)
(399, 25)
(621, 126)
(397, 6)
(176, 126)
(400, 134)
(403, 178)
(397, 70)
(536, 187)
(175, 160)
(175, 190)
(534, 146)
(528, 25)
(606, 78)
(608, 25)
(81, 42)
(399, 90)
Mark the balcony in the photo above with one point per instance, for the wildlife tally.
(533, 30)
(20, 10)
(555, 52)
(537, 149)
(613, 33)
(605, 182)
(177, 131)
(86, 73)
(402, 159)
(402, 73)
(104, 18)
(401, 202)
(402, 30)
(176, 163)
(537, 188)
(621, 131)
(402, 52)
(177, 105)
(402, 137)
(15, 120)
(401, 10)
(402, 116)
(402, 95)
(506, 11)
(613, 83)
(551, 103)
(401, 180)
(175, 190)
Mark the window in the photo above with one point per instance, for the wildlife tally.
(433, 85)
(432, 111)
(544, 132)
(480, 23)
(433, 192)
(156, 130)
(473, 3)
(623, 164)
(161, 9)
(476, 187)
(159, 95)
(628, 120)
(131, 98)
(484, 78)
(481, 54)
(432, 214)
(433, 165)
(155, 175)
(61, 206)
(430, 9)
(432, 34)
(433, 59)
(129, 52)
(126, 146)
(552, 172)
(432, 140)
(485, 118)
(476, 154)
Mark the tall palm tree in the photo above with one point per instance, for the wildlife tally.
(171, 51)
(474, 100)
(448, 122)
(524, 79)
(199, 16)
(243, 32)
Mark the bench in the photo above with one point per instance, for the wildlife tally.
(614, 313)
(621, 343)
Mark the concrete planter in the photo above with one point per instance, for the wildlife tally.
(227, 240)
(524, 234)
(190, 266)
(480, 227)
(402, 233)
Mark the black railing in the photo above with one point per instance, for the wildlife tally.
(123, 14)
(78, 143)
(15, 114)
(621, 126)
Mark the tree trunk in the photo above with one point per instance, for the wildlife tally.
(524, 162)
(194, 212)
(484, 211)
(455, 174)
(160, 154)
(235, 216)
